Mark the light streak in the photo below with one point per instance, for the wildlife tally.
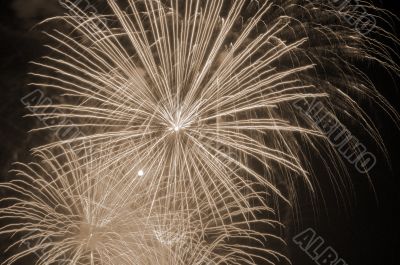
(200, 97)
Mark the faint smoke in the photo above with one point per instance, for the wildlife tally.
(31, 9)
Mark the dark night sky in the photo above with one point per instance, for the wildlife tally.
(366, 234)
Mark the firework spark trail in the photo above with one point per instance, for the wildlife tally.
(197, 103)
(187, 108)
(170, 81)
(77, 214)
(72, 217)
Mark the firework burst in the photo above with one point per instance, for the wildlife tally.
(195, 90)
(189, 109)
(72, 214)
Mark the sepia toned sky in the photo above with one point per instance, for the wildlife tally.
(366, 233)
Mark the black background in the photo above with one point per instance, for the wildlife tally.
(364, 231)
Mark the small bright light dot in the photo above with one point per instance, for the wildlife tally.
(176, 128)
(141, 173)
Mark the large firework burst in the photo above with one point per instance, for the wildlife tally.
(189, 109)
(66, 213)
(197, 91)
